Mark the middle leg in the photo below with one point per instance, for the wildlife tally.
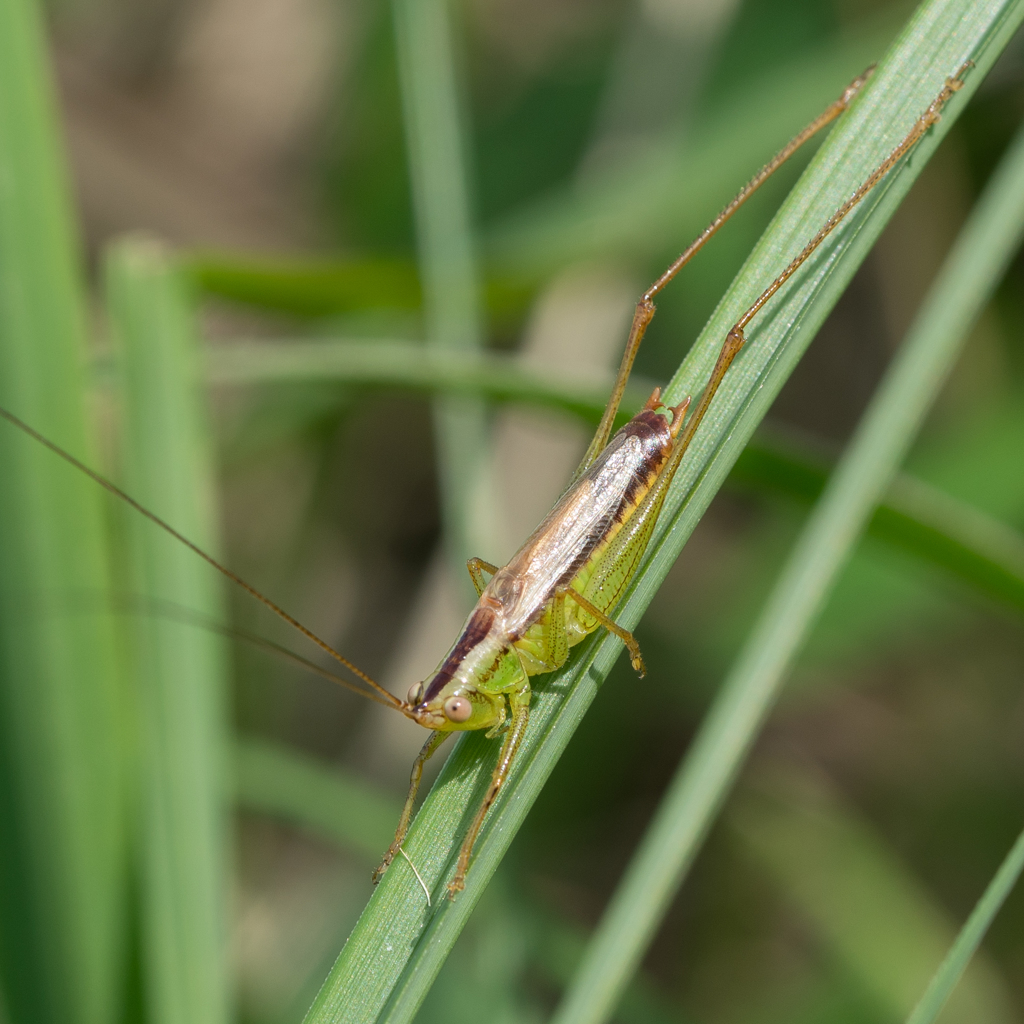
(477, 567)
(613, 627)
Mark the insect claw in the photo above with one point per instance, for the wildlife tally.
(636, 658)
(455, 886)
(381, 868)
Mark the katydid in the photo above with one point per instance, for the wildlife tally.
(568, 578)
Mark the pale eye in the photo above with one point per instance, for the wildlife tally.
(457, 709)
(415, 693)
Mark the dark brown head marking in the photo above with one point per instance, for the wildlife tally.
(477, 628)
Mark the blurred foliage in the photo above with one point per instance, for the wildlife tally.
(888, 785)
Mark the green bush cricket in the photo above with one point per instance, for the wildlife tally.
(568, 577)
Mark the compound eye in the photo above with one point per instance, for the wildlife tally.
(457, 709)
(415, 693)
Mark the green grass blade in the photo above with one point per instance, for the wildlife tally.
(182, 670)
(967, 280)
(967, 941)
(873, 915)
(399, 943)
(447, 262)
(62, 774)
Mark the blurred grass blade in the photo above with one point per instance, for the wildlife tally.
(308, 288)
(182, 670)
(62, 778)
(967, 941)
(430, 105)
(399, 944)
(317, 287)
(973, 546)
(883, 437)
(873, 915)
(408, 364)
(274, 779)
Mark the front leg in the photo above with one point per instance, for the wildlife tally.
(519, 704)
(435, 740)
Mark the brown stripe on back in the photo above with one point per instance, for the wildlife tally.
(652, 429)
(476, 629)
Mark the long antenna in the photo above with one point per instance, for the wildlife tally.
(384, 696)
(190, 617)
